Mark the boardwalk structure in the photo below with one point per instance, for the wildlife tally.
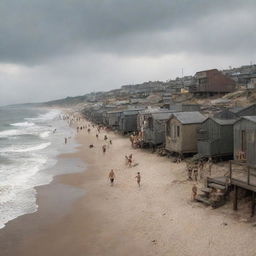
(242, 176)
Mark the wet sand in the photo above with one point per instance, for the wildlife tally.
(81, 214)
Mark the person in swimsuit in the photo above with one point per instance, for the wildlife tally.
(111, 177)
(138, 177)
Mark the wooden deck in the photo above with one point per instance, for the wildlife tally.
(242, 176)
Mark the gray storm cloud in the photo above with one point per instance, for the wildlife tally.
(31, 31)
(72, 47)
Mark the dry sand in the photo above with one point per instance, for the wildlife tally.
(82, 215)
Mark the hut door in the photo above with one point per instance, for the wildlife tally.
(243, 141)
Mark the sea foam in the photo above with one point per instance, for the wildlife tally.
(20, 149)
(24, 124)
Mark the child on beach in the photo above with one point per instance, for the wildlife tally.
(111, 177)
(130, 161)
(138, 177)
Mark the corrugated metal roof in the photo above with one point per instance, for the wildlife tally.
(236, 109)
(250, 118)
(149, 110)
(189, 117)
(239, 109)
(115, 111)
(162, 116)
(131, 112)
(223, 121)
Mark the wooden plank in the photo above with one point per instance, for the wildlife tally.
(253, 204)
(217, 186)
(235, 199)
(243, 184)
(248, 175)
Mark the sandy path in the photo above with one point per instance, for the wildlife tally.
(156, 219)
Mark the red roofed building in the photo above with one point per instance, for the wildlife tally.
(211, 82)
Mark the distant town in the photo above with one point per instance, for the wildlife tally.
(202, 119)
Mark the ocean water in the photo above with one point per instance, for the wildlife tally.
(28, 147)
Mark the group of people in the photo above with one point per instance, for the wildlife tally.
(72, 119)
(193, 173)
(135, 139)
(112, 177)
(197, 172)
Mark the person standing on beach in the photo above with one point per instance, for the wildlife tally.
(111, 177)
(138, 177)
(104, 148)
(66, 140)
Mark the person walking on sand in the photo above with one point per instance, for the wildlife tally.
(138, 177)
(66, 140)
(130, 161)
(111, 177)
(104, 148)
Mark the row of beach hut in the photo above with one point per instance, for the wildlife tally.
(230, 132)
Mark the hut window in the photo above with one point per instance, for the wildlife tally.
(178, 131)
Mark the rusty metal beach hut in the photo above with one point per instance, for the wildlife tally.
(128, 121)
(181, 132)
(113, 118)
(154, 131)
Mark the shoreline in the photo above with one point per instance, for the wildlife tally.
(80, 214)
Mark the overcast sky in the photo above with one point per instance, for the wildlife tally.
(51, 49)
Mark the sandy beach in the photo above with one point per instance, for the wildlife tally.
(81, 214)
